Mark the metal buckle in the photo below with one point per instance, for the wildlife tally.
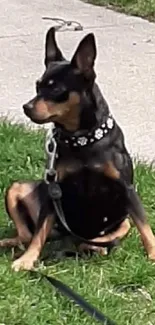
(50, 147)
(50, 176)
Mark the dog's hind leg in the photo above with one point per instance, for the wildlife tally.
(23, 207)
(136, 210)
(120, 233)
(138, 215)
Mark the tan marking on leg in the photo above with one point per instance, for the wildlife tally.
(139, 218)
(121, 232)
(31, 201)
(84, 247)
(147, 237)
(28, 259)
(10, 242)
(144, 228)
(25, 193)
(14, 194)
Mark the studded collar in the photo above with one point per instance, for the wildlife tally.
(91, 137)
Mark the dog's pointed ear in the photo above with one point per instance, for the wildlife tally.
(52, 52)
(85, 56)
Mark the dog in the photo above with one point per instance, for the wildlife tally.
(94, 168)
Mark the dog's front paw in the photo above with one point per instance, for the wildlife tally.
(151, 253)
(23, 263)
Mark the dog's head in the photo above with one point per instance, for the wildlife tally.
(65, 87)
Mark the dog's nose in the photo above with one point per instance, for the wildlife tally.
(27, 107)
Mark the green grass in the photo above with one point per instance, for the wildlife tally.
(27, 301)
(142, 8)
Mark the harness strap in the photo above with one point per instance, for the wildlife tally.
(68, 292)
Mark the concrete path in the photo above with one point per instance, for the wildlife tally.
(125, 63)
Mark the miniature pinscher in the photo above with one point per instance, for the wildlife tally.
(94, 168)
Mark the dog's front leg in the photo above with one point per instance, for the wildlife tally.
(136, 210)
(44, 228)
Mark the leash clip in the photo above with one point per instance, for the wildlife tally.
(51, 150)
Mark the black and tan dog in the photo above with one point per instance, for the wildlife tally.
(93, 166)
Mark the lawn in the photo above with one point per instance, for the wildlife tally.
(142, 8)
(121, 285)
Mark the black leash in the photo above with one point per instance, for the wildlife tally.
(68, 292)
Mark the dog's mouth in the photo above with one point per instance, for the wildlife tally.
(38, 118)
(42, 121)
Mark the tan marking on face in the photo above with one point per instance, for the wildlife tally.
(66, 113)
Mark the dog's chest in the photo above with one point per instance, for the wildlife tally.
(90, 201)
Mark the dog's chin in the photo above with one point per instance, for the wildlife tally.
(41, 121)
(37, 121)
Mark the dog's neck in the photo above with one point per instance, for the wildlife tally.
(92, 115)
(96, 123)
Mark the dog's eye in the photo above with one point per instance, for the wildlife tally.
(56, 87)
(57, 91)
(50, 83)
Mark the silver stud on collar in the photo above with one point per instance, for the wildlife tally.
(98, 134)
(105, 219)
(82, 141)
(93, 136)
(110, 123)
